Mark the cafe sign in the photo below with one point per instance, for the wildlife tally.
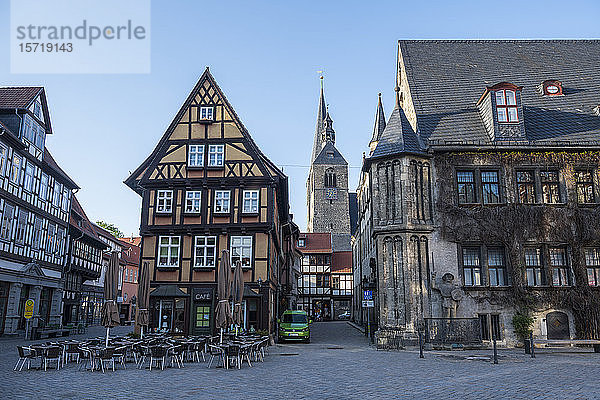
(202, 294)
(29, 308)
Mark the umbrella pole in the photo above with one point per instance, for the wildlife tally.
(107, 331)
(221, 336)
(141, 331)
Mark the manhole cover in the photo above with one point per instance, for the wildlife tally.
(289, 354)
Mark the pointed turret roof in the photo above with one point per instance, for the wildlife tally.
(321, 115)
(328, 128)
(379, 121)
(397, 137)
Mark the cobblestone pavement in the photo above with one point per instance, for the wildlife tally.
(338, 364)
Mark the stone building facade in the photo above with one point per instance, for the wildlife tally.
(479, 198)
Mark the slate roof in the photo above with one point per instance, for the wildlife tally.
(379, 121)
(447, 77)
(49, 160)
(321, 113)
(18, 97)
(86, 225)
(323, 157)
(397, 137)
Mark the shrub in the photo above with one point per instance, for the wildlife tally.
(522, 323)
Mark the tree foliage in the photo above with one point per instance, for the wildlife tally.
(116, 232)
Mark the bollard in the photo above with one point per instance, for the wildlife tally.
(421, 345)
(495, 352)
(531, 344)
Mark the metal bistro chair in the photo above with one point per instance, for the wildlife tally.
(119, 355)
(25, 356)
(232, 353)
(107, 356)
(71, 351)
(52, 353)
(176, 354)
(158, 354)
(216, 352)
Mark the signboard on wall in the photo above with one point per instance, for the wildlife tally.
(29, 308)
(202, 294)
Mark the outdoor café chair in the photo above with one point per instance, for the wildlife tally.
(232, 353)
(25, 356)
(158, 354)
(119, 355)
(245, 352)
(216, 352)
(71, 351)
(107, 356)
(176, 354)
(52, 353)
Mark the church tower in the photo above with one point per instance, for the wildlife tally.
(327, 184)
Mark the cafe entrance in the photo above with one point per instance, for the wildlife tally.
(202, 311)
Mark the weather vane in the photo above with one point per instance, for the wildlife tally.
(320, 72)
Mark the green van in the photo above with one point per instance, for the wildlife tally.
(294, 325)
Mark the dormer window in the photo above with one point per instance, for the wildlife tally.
(552, 88)
(206, 114)
(506, 106)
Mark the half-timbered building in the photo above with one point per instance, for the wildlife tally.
(207, 187)
(82, 300)
(35, 200)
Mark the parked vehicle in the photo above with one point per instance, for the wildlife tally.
(294, 325)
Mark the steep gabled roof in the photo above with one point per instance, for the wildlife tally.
(330, 155)
(21, 98)
(316, 242)
(134, 178)
(18, 97)
(447, 77)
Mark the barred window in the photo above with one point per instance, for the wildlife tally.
(164, 201)
(471, 266)
(558, 263)
(526, 187)
(549, 182)
(491, 187)
(196, 155)
(222, 201)
(592, 262)
(533, 267)
(585, 187)
(496, 267)
(205, 251)
(466, 187)
(192, 201)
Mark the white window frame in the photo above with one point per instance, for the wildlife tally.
(15, 174)
(508, 105)
(173, 242)
(251, 202)
(222, 201)
(198, 151)
(65, 199)
(214, 150)
(3, 158)
(164, 201)
(29, 174)
(193, 201)
(206, 113)
(201, 243)
(43, 192)
(57, 192)
(241, 249)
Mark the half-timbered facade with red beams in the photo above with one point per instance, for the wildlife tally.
(207, 187)
(35, 200)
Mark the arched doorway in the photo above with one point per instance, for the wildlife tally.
(557, 325)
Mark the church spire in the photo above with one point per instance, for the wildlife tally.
(328, 132)
(379, 124)
(321, 115)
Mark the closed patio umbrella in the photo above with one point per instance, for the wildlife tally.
(143, 297)
(223, 312)
(238, 294)
(110, 313)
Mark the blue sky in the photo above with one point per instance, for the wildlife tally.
(265, 56)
